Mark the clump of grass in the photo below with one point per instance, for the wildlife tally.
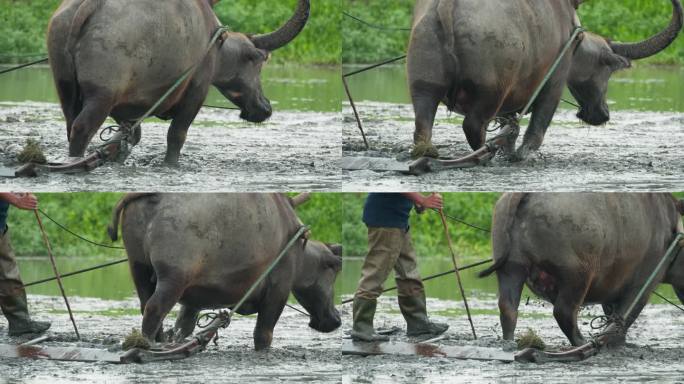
(135, 340)
(530, 340)
(32, 153)
(424, 150)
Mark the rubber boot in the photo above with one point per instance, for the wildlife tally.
(364, 311)
(417, 322)
(12, 296)
(16, 311)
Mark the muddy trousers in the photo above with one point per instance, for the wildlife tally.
(12, 294)
(391, 248)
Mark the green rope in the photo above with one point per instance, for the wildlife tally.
(270, 268)
(175, 86)
(669, 257)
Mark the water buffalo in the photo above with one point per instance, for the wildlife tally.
(117, 58)
(485, 58)
(576, 249)
(206, 250)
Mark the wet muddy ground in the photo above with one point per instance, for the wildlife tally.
(654, 351)
(298, 353)
(635, 151)
(292, 151)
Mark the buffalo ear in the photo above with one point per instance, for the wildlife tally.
(615, 61)
(577, 3)
(680, 207)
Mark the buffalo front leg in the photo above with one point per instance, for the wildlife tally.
(426, 99)
(185, 323)
(511, 278)
(542, 114)
(567, 305)
(95, 111)
(178, 131)
(269, 313)
(166, 295)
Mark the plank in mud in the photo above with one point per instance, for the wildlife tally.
(8, 172)
(426, 350)
(378, 164)
(87, 355)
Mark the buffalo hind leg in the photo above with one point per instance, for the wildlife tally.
(94, 113)
(166, 295)
(143, 276)
(426, 99)
(185, 323)
(511, 278)
(570, 298)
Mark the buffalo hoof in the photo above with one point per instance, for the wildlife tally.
(424, 150)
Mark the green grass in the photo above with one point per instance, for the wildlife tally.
(627, 20)
(23, 26)
(88, 214)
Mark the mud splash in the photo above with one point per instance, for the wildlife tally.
(292, 151)
(653, 353)
(635, 151)
(298, 353)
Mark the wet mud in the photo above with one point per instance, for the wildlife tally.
(654, 350)
(635, 151)
(298, 353)
(292, 151)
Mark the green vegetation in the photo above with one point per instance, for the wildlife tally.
(89, 214)
(627, 20)
(426, 229)
(530, 339)
(23, 25)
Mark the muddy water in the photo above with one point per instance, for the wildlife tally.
(297, 149)
(298, 353)
(654, 351)
(638, 150)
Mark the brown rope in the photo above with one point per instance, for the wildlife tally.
(458, 274)
(57, 275)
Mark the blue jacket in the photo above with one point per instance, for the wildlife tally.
(387, 210)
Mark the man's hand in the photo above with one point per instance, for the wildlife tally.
(27, 201)
(433, 201)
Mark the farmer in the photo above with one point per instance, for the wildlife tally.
(389, 246)
(12, 294)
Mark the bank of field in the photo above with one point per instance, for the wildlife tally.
(89, 214)
(23, 26)
(626, 20)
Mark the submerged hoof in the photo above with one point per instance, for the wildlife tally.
(424, 150)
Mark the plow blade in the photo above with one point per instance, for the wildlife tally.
(87, 355)
(377, 164)
(426, 350)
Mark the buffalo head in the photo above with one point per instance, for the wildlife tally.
(597, 58)
(314, 286)
(241, 57)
